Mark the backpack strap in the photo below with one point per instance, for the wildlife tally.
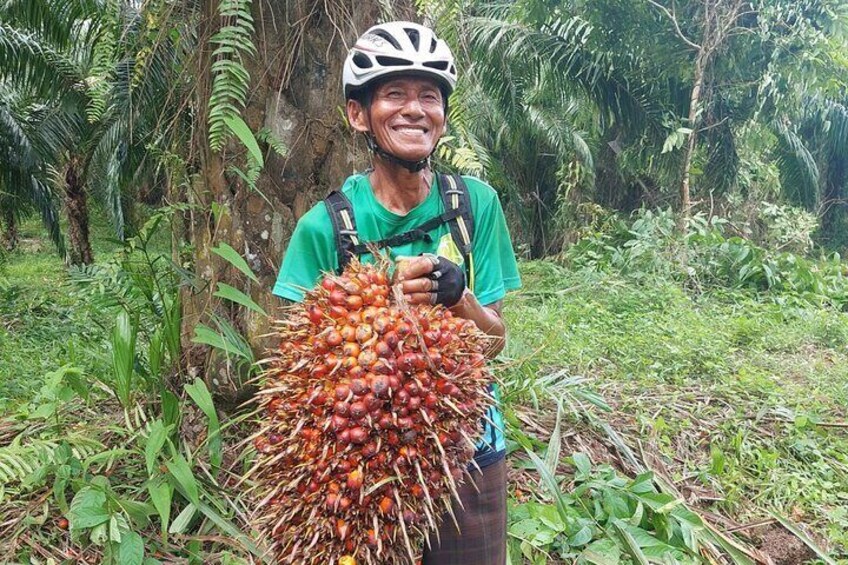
(344, 227)
(456, 199)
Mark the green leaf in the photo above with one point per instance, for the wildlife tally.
(131, 549)
(582, 463)
(201, 396)
(235, 295)
(205, 335)
(226, 252)
(602, 552)
(555, 443)
(550, 482)
(582, 537)
(181, 471)
(161, 494)
(242, 131)
(88, 509)
(155, 443)
(183, 519)
(630, 545)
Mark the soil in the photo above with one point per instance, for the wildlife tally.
(782, 546)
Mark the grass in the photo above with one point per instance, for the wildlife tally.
(742, 402)
(739, 403)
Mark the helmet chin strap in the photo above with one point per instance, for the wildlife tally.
(411, 166)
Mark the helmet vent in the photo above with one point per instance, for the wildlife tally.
(362, 61)
(393, 61)
(439, 65)
(413, 36)
(433, 45)
(388, 37)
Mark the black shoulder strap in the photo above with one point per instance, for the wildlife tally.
(344, 226)
(455, 197)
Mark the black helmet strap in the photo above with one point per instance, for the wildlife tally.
(411, 166)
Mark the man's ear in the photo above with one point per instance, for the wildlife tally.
(357, 116)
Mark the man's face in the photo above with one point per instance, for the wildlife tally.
(406, 117)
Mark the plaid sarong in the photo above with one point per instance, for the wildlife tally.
(482, 536)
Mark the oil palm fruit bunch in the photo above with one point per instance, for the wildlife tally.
(369, 412)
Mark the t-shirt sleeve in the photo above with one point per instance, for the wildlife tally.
(310, 254)
(495, 267)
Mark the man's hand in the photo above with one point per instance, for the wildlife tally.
(429, 279)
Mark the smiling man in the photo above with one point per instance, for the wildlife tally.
(397, 79)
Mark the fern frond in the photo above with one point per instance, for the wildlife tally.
(231, 79)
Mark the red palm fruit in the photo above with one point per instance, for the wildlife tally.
(382, 324)
(416, 491)
(372, 402)
(443, 386)
(328, 284)
(319, 371)
(381, 349)
(383, 366)
(348, 333)
(380, 385)
(414, 403)
(358, 435)
(337, 297)
(404, 423)
(369, 450)
(412, 388)
(435, 357)
(401, 398)
(358, 386)
(342, 391)
(334, 338)
(343, 437)
(334, 487)
(358, 410)
(409, 436)
(338, 312)
(406, 362)
(342, 529)
(318, 397)
(274, 439)
(449, 365)
(330, 502)
(320, 346)
(353, 319)
(316, 316)
(354, 479)
(350, 349)
(341, 408)
(371, 539)
(431, 400)
(403, 329)
(364, 332)
(419, 362)
(394, 383)
(386, 422)
(386, 506)
(356, 372)
(368, 296)
(369, 314)
(353, 302)
(410, 518)
(344, 503)
(338, 422)
(392, 339)
(392, 438)
(367, 358)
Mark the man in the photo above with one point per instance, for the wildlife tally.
(397, 79)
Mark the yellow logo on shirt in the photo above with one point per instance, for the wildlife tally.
(448, 249)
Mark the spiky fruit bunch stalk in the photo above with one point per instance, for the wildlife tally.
(369, 412)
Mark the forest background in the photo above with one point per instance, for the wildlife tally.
(674, 176)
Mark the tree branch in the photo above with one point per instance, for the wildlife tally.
(673, 19)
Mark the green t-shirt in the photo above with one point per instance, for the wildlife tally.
(312, 248)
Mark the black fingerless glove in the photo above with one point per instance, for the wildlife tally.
(448, 280)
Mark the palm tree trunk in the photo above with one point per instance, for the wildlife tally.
(694, 101)
(10, 230)
(76, 208)
(296, 99)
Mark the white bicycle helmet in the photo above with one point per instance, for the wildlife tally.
(400, 47)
